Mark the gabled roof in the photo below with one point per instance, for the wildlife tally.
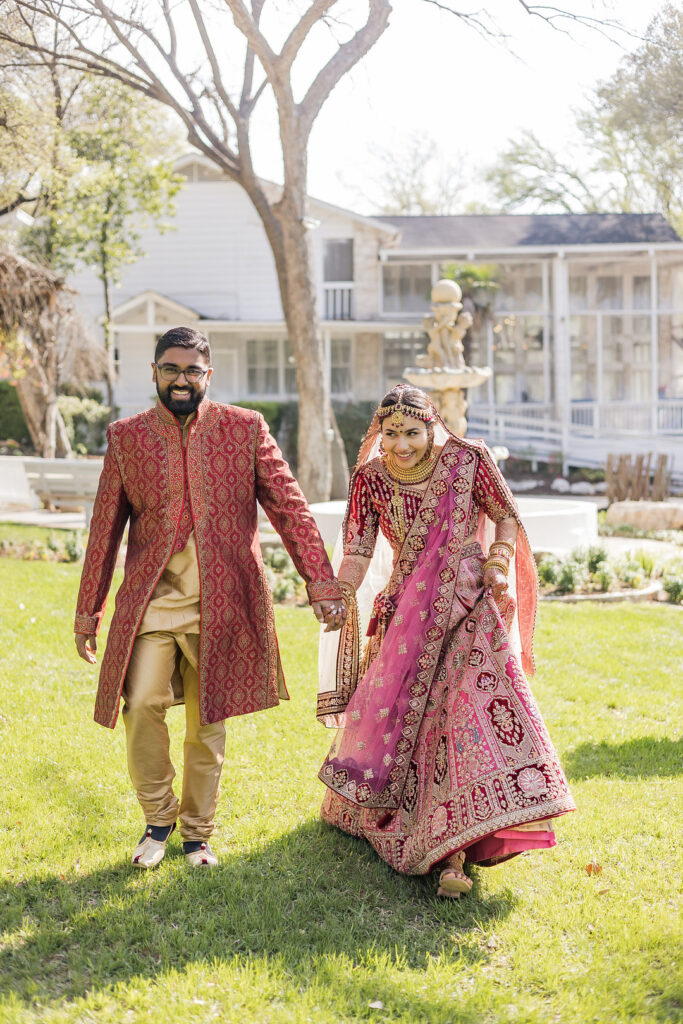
(505, 231)
(157, 297)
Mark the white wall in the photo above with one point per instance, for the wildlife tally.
(216, 259)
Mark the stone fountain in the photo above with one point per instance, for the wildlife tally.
(442, 371)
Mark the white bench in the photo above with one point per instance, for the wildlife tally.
(64, 481)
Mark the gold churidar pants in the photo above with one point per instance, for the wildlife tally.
(162, 672)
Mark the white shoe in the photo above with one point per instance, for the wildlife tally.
(204, 857)
(150, 852)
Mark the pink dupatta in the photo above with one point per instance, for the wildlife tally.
(369, 761)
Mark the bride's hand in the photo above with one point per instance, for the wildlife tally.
(498, 583)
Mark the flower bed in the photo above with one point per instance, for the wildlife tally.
(592, 572)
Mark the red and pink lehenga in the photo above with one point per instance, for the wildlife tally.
(440, 744)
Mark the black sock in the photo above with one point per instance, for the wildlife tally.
(159, 833)
(194, 845)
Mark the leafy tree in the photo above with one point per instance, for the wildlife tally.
(631, 157)
(119, 183)
(91, 162)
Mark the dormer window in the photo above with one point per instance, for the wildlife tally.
(338, 260)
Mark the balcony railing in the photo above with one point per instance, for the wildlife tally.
(338, 300)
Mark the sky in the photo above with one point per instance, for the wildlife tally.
(429, 75)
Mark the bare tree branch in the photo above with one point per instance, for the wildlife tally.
(249, 27)
(347, 55)
(210, 53)
(299, 33)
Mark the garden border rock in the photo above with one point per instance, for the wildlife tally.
(648, 593)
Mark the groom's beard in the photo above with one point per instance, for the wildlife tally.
(181, 404)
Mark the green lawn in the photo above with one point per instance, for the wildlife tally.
(301, 923)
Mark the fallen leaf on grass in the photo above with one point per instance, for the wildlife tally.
(593, 868)
(492, 943)
(376, 1005)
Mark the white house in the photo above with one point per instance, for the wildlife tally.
(585, 333)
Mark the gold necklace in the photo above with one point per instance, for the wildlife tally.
(417, 474)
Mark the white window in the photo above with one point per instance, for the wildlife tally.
(340, 366)
(407, 288)
(262, 366)
(338, 259)
(400, 350)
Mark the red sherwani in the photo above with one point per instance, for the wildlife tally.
(230, 463)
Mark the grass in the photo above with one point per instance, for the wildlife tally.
(300, 922)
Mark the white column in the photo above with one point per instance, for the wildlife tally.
(562, 349)
(598, 372)
(654, 341)
(491, 394)
(546, 334)
(327, 350)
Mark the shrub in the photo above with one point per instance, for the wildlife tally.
(12, 422)
(572, 576)
(73, 547)
(278, 559)
(548, 570)
(353, 419)
(604, 578)
(673, 586)
(646, 561)
(595, 558)
(283, 579)
(85, 419)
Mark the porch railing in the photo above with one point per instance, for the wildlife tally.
(595, 419)
(535, 423)
(338, 300)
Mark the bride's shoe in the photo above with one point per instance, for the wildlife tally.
(452, 880)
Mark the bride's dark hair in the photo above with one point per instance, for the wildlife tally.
(410, 396)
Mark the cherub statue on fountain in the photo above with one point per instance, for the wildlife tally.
(442, 370)
(446, 327)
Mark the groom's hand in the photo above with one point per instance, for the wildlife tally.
(332, 613)
(86, 647)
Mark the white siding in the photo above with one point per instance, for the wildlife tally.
(135, 390)
(216, 259)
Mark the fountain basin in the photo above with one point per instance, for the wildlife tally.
(445, 378)
(553, 524)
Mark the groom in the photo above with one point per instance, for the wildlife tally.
(193, 621)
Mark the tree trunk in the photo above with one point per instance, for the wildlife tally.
(43, 419)
(315, 426)
(105, 278)
(319, 442)
(109, 347)
(37, 396)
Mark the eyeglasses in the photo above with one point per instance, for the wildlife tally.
(192, 374)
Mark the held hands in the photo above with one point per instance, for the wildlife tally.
(86, 647)
(332, 613)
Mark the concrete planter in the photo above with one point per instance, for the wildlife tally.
(648, 593)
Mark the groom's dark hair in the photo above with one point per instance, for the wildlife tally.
(183, 337)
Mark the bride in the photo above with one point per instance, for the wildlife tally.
(441, 754)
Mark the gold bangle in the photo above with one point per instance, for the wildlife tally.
(506, 544)
(494, 564)
(498, 554)
(348, 591)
